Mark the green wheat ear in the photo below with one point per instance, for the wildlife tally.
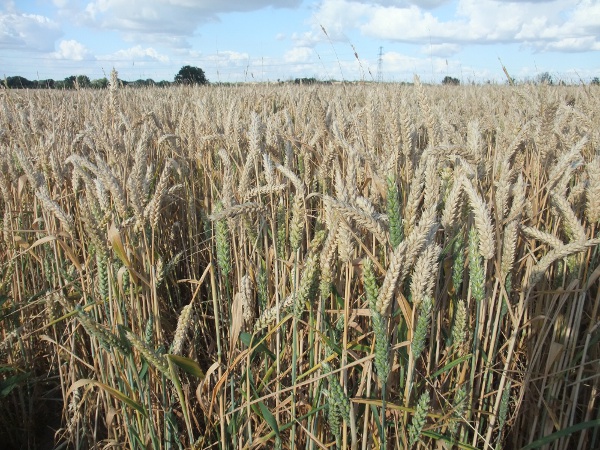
(107, 340)
(418, 342)
(459, 406)
(382, 364)
(418, 422)
(459, 328)
(159, 362)
(149, 331)
(306, 287)
(103, 282)
(503, 411)
(338, 405)
(394, 211)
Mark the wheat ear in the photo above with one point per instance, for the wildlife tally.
(483, 222)
(159, 362)
(540, 268)
(183, 324)
(419, 418)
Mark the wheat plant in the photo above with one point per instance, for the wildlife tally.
(328, 266)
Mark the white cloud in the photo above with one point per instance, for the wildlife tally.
(427, 4)
(61, 3)
(229, 56)
(227, 59)
(399, 63)
(410, 25)
(536, 27)
(337, 18)
(28, 32)
(556, 25)
(574, 44)
(298, 55)
(169, 22)
(73, 50)
(441, 50)
(333, 21)
(8, 6)
(137, 54)
(229, 65)
(586, 16)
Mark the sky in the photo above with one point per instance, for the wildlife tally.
(266, 40)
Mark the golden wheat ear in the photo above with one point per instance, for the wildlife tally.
(326, 265)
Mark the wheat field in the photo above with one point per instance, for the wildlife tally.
(302, 267)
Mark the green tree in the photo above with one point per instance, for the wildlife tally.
(18, 83)
(79, 82)
(144, 83)
(100, 83)
(451, 81)
(45, 84)
(305, 80)
(83, 81)
(191, 75)
(596, 81)
(545, 78)
(69, 82)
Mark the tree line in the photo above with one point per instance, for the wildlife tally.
(187, 75)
